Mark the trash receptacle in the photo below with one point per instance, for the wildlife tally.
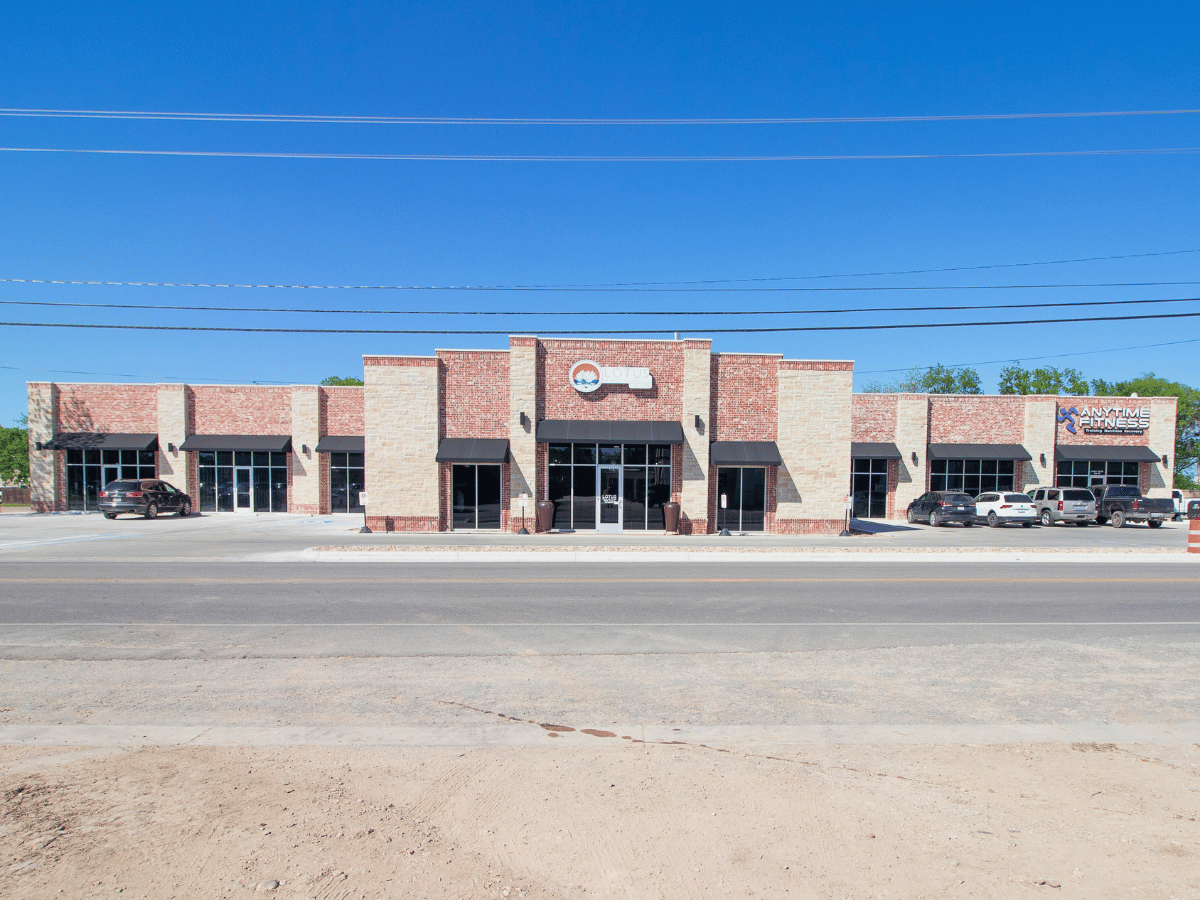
(671, 516)
(545, 515)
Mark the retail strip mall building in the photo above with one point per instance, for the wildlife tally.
(609, 431)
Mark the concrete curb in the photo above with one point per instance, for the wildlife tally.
(523, 734)
(737, 556)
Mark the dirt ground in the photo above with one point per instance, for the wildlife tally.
(620, 819)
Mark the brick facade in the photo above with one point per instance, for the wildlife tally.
(409, 404)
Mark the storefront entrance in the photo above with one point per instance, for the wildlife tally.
(609, 487)
(868, 485)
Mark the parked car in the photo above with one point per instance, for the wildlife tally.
(1065, 505)
(1121, 503)
(1000, 509)
(147, 497)
(1180, 505)
(943, 507)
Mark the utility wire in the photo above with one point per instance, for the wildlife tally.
(592, 313)
(524, 287)
(286, 118)
(590, 289)
(475, 157)
(780, 329)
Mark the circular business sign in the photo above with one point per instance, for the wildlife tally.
(584, 376)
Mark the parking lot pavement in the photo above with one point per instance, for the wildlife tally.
(83, 537)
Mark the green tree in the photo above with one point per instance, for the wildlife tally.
(338, 381)
(937, 379)
(14, 455)
(1048, 380)
(1187, 417)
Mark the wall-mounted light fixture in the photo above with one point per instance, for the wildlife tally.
(37, 445)
(524, 420)
(915, 463)
(1043, 458)
(698, 422)
(171, 448)
(304, 449)
(1165, 461)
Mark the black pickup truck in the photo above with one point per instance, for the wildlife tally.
(1121, 503)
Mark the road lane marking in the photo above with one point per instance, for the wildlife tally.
(182, 580)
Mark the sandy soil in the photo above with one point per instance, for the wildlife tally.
(621, 819)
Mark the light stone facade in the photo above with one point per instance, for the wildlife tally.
(1039, 440)
(814, 442)
(401, 414)
(522, 439)
(697, 388)
(1162, 422)
(305, 491)
(912, 440)
(42, 415)
(172, 430)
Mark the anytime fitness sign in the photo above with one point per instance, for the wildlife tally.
(585, 376)
(1105, 419)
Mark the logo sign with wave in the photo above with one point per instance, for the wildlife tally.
(586, 376)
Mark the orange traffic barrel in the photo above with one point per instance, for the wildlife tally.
(1193, 535)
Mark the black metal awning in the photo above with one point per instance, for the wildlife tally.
(87, 440)
(342, 444)
(565, 431)
(473, 450)
(744, 453)
(1100, 453)
(978, 451)
(277, 443)
(866, 449)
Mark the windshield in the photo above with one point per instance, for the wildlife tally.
(1122, 490)
(1078, 495)
(958, 498)
(124, 486)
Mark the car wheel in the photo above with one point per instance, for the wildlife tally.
(1118, 519)
(968, 524)
(1155, 523)
(933, 519)
(185, 510)
(151, 510)
(1082, 524)
(1026, 524)
(912, 519)
(1100, 520)
(110, 515)
(1047, 519)
(992, 520)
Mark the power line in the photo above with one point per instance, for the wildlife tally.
(594, 313)
(525, 287)
(780, 329)
(474, 157)
(572, 289)
(286, 118)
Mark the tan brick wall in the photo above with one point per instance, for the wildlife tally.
(976, 419)
(873, 417)
(42, 463)
(815, 401)
(522, 439)
(693, 460)
(172, 429)
(304, 493)
(107, 408)
(912, 436)
(401, 412)
(744, 401)
(342, 412)
(1040, 413)
(242, 409)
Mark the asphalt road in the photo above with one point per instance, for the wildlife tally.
(851, 592)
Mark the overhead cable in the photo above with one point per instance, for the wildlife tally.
(609, 331)
(301, 118)
(592, 312)
(479, 157)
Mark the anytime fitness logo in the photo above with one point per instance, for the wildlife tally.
(1068, 416)
(1106, 419)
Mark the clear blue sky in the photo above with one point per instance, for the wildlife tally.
(185, 219)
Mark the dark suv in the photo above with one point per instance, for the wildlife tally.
(940, 507)
(147, 497)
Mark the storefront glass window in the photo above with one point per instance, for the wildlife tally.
(972, 476)
(254, 481)
(1084, 473)
(745, 492)
(89, 470)
(347, 477)
(635, 477)
(475, 496)
(869, 486)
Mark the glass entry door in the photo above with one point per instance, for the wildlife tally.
(610, 499)
(242, 491)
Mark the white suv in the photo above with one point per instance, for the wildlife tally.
(1000, 509)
